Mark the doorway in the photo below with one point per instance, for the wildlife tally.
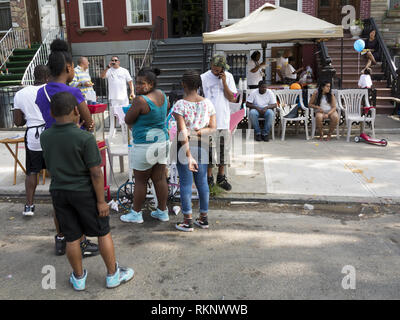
(186, 18)
(32, 11)
(331, 10)
(49, 16)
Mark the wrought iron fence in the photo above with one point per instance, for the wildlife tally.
(237, 63)
(7, 104)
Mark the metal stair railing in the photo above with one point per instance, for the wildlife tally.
(157, 34)
(42, 55)
(13, 39)
(388, 65)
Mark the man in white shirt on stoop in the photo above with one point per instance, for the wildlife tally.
(118, 78)
(219, 87)
(261, 103)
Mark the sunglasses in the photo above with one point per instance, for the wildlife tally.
(114, 60)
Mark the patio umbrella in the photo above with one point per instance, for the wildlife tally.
(270, 23)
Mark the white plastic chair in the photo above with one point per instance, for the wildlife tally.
(117, 146)
(312, 112)
(288, 100)
(350, 102)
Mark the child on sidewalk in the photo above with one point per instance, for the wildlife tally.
(73, 159)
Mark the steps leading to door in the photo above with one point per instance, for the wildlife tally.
(174, 56)
(352, 66)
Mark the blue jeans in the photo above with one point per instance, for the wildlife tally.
(200, 180)
(254, 115)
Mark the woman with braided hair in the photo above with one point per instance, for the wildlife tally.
(196, 121)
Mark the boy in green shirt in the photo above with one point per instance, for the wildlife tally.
(73, 159)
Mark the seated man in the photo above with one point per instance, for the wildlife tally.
(261, 103)
(290, 72)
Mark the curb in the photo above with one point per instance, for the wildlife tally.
(244, 199)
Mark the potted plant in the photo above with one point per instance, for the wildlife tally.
(356, 28)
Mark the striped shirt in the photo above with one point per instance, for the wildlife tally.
(80, 78)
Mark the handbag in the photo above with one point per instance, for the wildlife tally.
(294, 113)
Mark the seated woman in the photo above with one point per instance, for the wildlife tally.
(324, 103)
(371, 50)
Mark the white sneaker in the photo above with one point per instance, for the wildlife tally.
(29, 211)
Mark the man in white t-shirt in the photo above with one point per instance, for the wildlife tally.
(261, 103)
(118, 78)
(219, 87)
(26, 112)
(281, 64)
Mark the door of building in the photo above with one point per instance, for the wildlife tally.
(32, 11)
(331, 10)
(49, 16)
(186, 18)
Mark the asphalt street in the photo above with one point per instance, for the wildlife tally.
(251, 251)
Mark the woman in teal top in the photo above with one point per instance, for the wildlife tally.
(150, 145)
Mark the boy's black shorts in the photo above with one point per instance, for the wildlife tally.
(77, 214)
(34, 161)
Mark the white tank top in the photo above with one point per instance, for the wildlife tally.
(325, 106)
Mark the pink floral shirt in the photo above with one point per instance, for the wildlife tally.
(196, 114)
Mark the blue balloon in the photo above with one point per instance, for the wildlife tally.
(359, 45)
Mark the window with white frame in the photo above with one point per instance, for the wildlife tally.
(290, 4)
(138, 12)
(236, 9)
(91, 13)
(5, 15)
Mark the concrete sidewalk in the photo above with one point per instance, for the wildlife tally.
(294, 170)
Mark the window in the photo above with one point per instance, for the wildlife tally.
(236, 9)
(290, 4)
(91, 13)
(138, 12)
(5, 15)
(136, 61)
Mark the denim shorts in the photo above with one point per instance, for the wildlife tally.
(144, 156)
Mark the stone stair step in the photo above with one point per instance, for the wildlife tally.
(9, 77)
(20, 58)
(19, 52)
(383, 92)
(393, 13)
(176, 71)
(10, 83)
(16, 64)
(384, 109)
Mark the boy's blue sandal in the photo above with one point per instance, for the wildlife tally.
(120, 276)
(160, 215)
(78, 284)
(132, 216)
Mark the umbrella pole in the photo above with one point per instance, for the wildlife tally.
(264, 49)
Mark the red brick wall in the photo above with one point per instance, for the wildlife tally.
(114, 20)
(309, 7)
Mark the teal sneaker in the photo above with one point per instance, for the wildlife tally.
(133, 217)
(160, 215)
(78, 284)
(120, 276)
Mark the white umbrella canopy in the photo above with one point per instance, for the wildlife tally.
(274, 24)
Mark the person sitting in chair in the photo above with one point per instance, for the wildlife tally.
(261, 103)
(324, 103)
